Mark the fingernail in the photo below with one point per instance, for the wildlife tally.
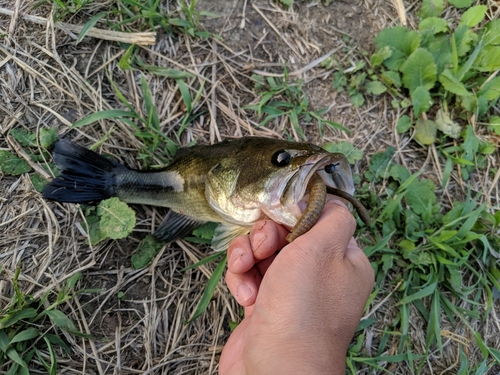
(258, 240)
(244, 293)
(236, 255)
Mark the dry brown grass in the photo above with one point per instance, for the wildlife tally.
(48, 81)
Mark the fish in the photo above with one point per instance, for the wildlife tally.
(234, 183)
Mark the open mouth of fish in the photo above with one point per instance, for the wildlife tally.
(303, 194)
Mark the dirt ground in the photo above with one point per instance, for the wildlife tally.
(137, 317)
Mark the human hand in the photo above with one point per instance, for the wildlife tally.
(303, 303)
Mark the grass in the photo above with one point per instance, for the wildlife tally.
(432, 189)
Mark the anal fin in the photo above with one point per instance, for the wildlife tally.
(175, 226)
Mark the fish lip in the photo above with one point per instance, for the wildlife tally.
(341, 178)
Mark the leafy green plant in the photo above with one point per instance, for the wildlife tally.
(147, 129)
(35, 146)
(112, 219)
(21, 334)
(279, 97)
(443, 262)
(356, 80)
(449, 72)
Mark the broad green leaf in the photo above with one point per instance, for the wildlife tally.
(441, 51)
(425, 131)
(103, 115)
(421, 100)
(452, 84)
(375, 87)
(463, 38)
(206, 231)
(488, 59)
(402, 43)
(473, 16)
(419, 70)
(431, 8)
(353, 154)
(60, 320)
(461, 3)
(436, 24)
(381, 55)
(25, 138)
(404, 124)
(491, 89)
(470, 144)
(12, 319)
(146, 251)
(90, 24)
(446, 124)
(12, 165)
(494, 125)
(4, 340)
(209, 289)
(48, 136)
(391, 78)
(179, 22)
(379, 162)
(287, 3)
(25, 335)
(117, 219)
(357, 100)
(14, 355)
(420, 194)
(491, 32)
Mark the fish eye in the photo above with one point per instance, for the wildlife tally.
(331, 168)
(281, 158)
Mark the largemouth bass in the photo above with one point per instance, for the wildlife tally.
(234, 183)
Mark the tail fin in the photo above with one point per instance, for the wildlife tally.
(85, 175)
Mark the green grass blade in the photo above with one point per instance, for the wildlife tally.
(424, 292)
(204, 260)
(90, 24)
(433, 326)
(4, 340)
(103, 115)
(165, 72)
(10, 320)
(153, 121)
(209, 289)
(53, 361)
(25, 335)
(186, 96)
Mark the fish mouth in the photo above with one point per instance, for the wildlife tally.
(333, 169)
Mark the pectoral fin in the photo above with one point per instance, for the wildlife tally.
(225, 233)
(175, 226)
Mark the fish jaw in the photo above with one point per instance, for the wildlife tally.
(289, 196)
